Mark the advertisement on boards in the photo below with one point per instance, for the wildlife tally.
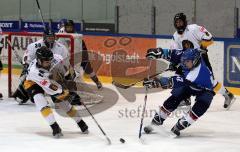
(232, 64)
(119, 56)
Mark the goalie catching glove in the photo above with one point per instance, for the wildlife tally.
(162, 82)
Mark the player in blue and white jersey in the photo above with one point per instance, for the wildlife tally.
(196, 80)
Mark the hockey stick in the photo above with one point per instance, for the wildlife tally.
(145, 103)
(123, 86)
(105, 135)
(161, 65)
(40, 12)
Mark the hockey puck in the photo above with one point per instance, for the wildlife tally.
(122, 140)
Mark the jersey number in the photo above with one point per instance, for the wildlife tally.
(37, 45)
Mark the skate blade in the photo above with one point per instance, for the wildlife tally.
(57, 136)
(230, 105)
(85, 132)
(155, 129)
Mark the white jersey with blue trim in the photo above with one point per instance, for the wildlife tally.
(193, 33)
(200, 76)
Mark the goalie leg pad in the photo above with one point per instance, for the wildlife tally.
(21, 93)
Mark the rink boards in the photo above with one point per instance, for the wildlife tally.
(223, 54)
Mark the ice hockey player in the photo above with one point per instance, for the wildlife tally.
(192, 36)
(173, 56)
(85, 64)
(200, 39)
(50, 42)
(197, 80)
(38, 83)
(61, 25)
(1, 46)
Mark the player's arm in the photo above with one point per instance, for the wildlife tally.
(172, 82)
(205, 37)
(173, 56)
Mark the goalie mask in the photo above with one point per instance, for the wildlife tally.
(49, 38)
(44, 57)
(180, 22)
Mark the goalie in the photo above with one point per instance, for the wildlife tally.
(38, 83)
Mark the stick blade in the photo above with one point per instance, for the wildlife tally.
(119, 85)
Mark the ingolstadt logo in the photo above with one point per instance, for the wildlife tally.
(232, 66)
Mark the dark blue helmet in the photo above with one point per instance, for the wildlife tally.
(180, 16)
(49, 37)
(192, 55)
(62, 22)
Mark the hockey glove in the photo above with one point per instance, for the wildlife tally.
(154, 53)
(172, 67)
(150, 83)
(25, 69)
(163, 82)
(70, 74)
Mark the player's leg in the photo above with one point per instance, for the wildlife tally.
(218, 87)
(41, 103)
(169, 105)
(86, 65)
(229, 97)
(201, 105)
(178, 94)
(63, 101)
(75, 98)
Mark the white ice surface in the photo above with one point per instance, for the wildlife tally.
(22, 129)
